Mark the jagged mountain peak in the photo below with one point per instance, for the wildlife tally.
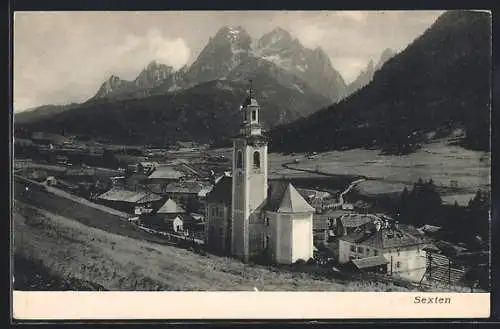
(113, 78)
(275, 38)
(387, 54)
(366, 74)
(232, 34)
(156, 64)
(320, 52)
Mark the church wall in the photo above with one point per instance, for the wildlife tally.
(216, 226)
(302, 237)
(271, 232)
(284, 239)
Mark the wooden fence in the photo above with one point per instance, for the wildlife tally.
(442, 269)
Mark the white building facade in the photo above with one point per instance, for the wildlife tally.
(403, 253)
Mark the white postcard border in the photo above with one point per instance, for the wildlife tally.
(73, 305)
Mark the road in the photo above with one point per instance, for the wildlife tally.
(341, 196)
(350, 187)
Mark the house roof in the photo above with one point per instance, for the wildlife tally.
(382, 239)
(128, 196)
(283, 197)
(368, 262)
(166, 172)
(136, 178)
(222, 191)
(170, 207)
(430, 228)
(148, 163)
(184, 187)
(357, 220)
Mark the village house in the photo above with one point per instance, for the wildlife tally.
(146, 167)
(383, 245)
(136, 182)
(268, 220)
(51, 181)
(170, 216)
(354, 221)
(430, 230)
(218, 214)
(159, 179)
(188, 193)
(132, 202)
(320, 229)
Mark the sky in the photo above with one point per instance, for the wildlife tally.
(64, 57)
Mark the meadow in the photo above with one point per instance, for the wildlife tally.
(457, 172)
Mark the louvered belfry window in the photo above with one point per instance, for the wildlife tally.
(256, 159)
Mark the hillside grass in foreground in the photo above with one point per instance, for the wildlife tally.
(67, 248)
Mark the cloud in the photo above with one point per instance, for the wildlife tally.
(68, 65)
(136, 51)
(62, 57)
(310, 36)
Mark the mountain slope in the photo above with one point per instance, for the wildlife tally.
(312, 66)
(440, 81)
(223, 68)
(40, 112)
(207, 112)
(366, 75)
(228, 49)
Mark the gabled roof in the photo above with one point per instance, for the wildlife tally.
(283, 197)
(170, 207)
(185, 187)
(357, 220)
(383, 239)
(123, 195)
(222, 191)
(370, 262)
(165, 172)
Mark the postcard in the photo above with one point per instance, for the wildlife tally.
(251, 164)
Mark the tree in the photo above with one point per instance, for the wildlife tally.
(479, 208)
(403, 202)
(339, 228)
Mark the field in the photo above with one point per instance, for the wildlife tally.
(72, 250)
(456, 171)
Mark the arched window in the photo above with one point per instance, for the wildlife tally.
(245, 115)
(254, 115)
(239, 160)
(256, 159)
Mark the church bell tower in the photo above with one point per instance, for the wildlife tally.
(249, 182)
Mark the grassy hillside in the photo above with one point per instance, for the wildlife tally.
(439, 83)
(69, 249)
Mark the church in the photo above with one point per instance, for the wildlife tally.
(246, 215)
